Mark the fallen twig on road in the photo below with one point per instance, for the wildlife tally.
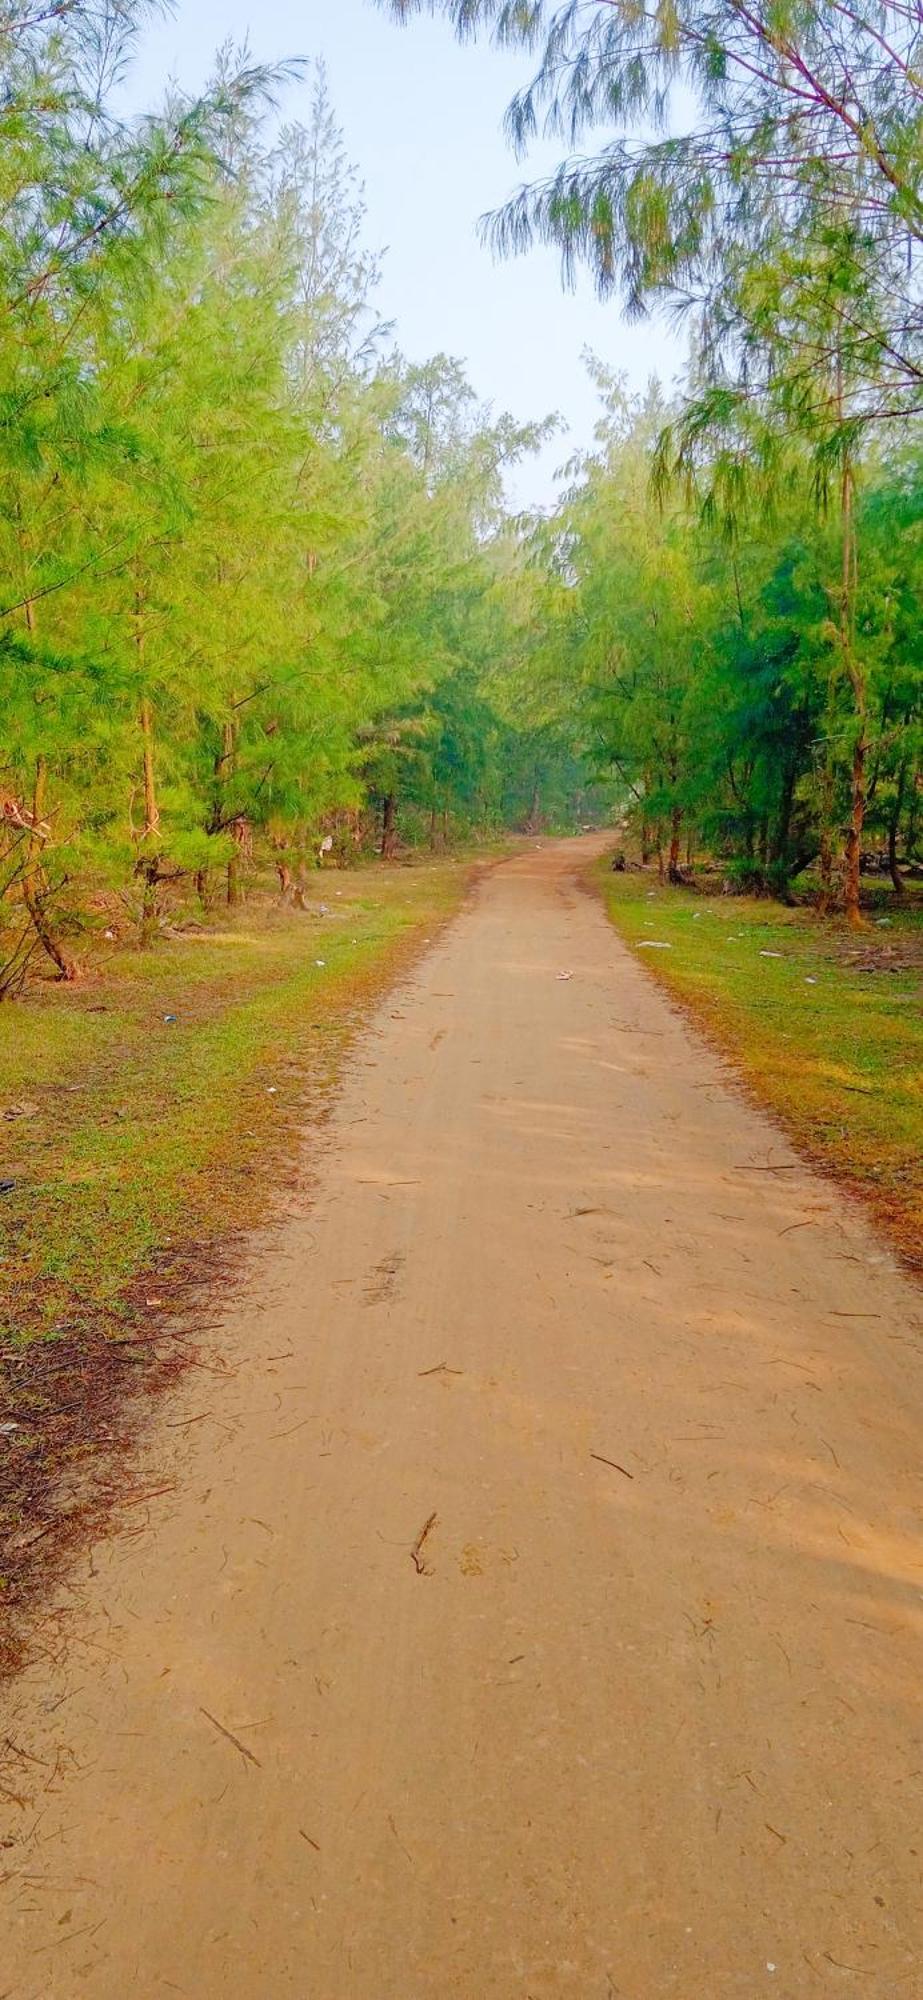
(613, 1462)
(416, 1552)
(238, 1745)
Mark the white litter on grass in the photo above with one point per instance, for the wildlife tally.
(320, 961)
(771, 954)
(271, 1090)
(809, 981)
(653, 944)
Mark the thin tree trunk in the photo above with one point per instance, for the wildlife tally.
(233, 880)
(150, 860)
(859, 781)
(825, 865)
(228, 757)
(674, 872)
(852, 886)
(894, 827)
(780, 845)
(389, 827)
(35, 882)
(151, 808)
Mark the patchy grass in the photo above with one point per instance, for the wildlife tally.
(149, 1117)
(148, 1114)
(825, 1025)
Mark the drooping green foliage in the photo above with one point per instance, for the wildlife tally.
(256, 573)
(711, 675)
(758, 168)
(260, 593)
(764, 162)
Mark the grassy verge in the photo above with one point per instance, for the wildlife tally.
(148, 1118)
(147, 1114)
(826, 1026)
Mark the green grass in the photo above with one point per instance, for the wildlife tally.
(828, 1034)
(140, 1145)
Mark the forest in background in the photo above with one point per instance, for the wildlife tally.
(740, 572)
(262, 595)
(710, 668)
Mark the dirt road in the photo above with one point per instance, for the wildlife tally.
(538, 1609)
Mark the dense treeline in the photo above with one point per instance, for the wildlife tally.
(752, 653)
(711, 672)
(258, 589)
(260, 594)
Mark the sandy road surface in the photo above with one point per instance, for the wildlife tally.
(616, 1734)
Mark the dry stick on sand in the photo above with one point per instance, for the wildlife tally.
(238, 1745)
(416, 1553)
(613, 1462)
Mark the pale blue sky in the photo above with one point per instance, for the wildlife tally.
(422, 119)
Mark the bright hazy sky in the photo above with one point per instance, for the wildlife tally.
(422, 120)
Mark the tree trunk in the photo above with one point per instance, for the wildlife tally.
(825, 865)
(226, 767)
(894, 827)
(35, 881)
(674, 872)
(389, 826)
(859, 784)
(150, 859)
(151, 808)
(433, 841)
(852, 887)
(233, 881)
(779, 850)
